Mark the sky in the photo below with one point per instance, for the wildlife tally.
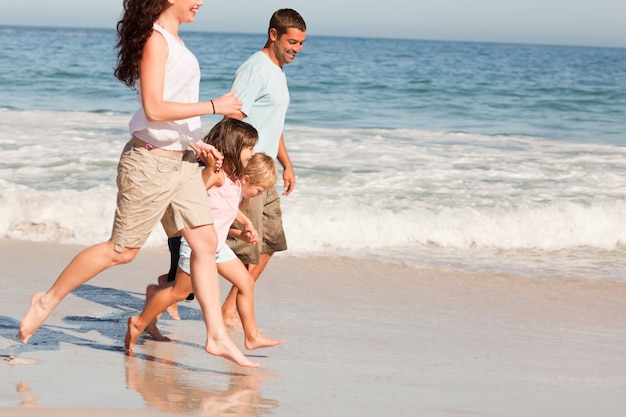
(559, 22)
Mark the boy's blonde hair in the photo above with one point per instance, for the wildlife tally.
(261, 170)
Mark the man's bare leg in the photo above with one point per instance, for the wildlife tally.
(86, 265)
(229, 308)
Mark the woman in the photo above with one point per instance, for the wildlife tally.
(158, 177)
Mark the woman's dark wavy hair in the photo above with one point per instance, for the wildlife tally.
(133, 31)
(230, 137)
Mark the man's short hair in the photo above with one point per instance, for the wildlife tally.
(284, 19)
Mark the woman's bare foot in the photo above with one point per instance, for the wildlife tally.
(154, 332)
(36, 314)
(223, 346)
(261, 342)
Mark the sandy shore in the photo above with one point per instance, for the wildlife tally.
(362, 339)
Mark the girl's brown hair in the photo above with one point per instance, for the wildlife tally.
(230, 137)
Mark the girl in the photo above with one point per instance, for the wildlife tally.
(156, 166)
(236, 140)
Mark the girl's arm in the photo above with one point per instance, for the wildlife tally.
(249, 233)
(212, 178)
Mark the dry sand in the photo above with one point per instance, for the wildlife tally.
(361, 339)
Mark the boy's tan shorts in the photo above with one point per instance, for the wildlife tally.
(157, 186)
(266, 216)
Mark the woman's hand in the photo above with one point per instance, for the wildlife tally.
(228, 104)
(209, 155)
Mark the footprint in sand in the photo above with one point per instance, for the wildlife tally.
(15, 360)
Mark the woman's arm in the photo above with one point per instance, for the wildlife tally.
(152, 76)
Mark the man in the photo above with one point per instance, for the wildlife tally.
(261, 86)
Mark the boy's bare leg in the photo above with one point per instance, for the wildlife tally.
(229, 308)
(235, 272)
(81, 269)
(231, 317)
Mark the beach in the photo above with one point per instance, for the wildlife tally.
(456, 235)
(362, 338)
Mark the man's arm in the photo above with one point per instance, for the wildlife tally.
(289, 177)
(239, 116)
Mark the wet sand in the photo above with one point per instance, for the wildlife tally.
(361, 339)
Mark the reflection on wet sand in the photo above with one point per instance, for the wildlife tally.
(28, 399)
(165, 385)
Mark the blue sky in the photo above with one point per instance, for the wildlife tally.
(580, 22)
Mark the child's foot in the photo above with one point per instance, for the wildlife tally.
(132, 334)
(231, 321)
(154, 332)
(162, 280)
(224, 347)
(36, 314)
(172, 310)
(261, 342)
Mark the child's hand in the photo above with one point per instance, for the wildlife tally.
(209, 155)
(250, 235)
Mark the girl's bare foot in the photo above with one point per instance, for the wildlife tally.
(132, 334)
(261, 342)
(162, 280)
(173, 309)
(36, 314)
(154, 332)
(232, 321)
(224, 347)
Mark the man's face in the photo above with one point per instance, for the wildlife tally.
(288, 45)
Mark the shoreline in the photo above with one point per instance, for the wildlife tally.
(361, 338)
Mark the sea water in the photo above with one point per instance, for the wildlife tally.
(473, 156)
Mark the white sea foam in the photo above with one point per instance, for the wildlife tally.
(408, 195)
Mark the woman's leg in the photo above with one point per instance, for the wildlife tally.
(203, 243)
(235, 272)
(86, 265)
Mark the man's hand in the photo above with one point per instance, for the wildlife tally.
(289, 181)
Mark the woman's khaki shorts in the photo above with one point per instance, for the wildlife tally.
(152, 187)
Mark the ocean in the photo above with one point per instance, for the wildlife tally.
(504, 158)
